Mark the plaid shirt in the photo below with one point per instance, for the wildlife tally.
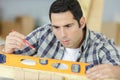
(95, 49)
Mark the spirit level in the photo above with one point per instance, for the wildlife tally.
(44, 64)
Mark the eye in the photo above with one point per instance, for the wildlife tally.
(69, 25)
(56, 27)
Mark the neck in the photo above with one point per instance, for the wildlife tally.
(83, 37)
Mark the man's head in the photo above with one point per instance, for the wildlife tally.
(73, 6)
(68, 22)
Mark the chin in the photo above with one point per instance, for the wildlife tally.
(66, 46)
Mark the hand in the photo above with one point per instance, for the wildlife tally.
(104, 71)
(14, 41)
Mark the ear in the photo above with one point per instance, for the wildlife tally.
(82, 22)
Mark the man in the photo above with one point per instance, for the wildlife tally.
(68, 38)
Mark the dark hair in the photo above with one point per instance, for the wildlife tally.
(73, 6)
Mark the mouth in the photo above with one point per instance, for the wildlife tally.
(66, 42)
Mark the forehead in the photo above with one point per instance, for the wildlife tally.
(62, 18)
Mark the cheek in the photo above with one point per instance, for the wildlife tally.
(57, 34)
(75, 34)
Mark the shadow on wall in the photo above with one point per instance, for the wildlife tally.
(22, 24)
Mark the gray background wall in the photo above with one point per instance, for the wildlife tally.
(39, 10)
(111, 10)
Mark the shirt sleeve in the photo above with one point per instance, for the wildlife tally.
(109, 54)
(32, 38)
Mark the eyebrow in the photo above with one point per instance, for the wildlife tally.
(55, 26)
(64, 25)
(68, 24)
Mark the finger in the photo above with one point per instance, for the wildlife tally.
(14, 42)
(95, 68)
(94, 72)
(14, 38)
(17, 34)
(91, 70)
(10, 48)
(101, 72)
(94, 75)
(17, 44)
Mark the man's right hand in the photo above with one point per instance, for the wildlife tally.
(14, 41)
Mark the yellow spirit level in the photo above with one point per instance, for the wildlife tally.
(44, 64)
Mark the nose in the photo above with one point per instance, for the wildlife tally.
(63, 33)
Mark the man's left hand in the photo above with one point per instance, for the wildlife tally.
(104, 71)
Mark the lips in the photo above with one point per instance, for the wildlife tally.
(66, 42)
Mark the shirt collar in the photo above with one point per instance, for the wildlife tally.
(85, 41)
